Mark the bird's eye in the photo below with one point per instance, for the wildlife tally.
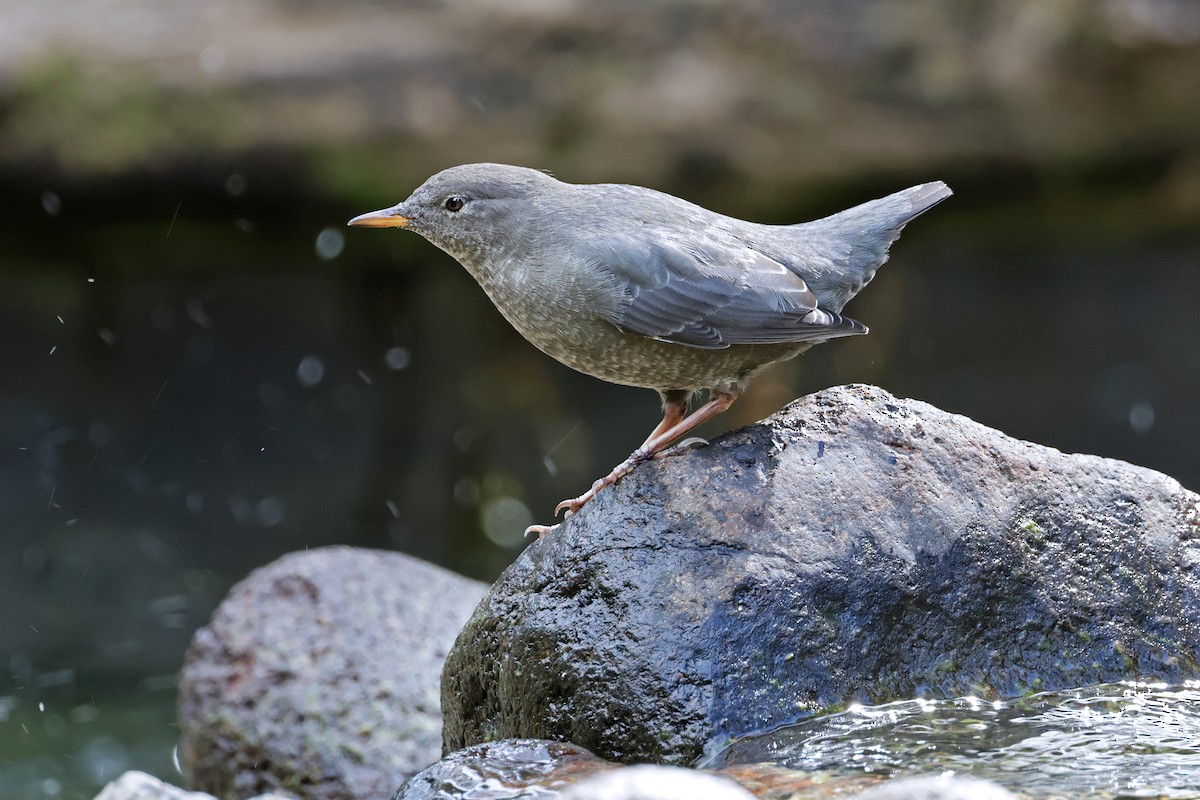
(454, 202)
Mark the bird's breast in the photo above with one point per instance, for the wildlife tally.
(567, 319)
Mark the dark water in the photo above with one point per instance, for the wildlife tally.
(200, 374)
(69, 735)
(1112, 740)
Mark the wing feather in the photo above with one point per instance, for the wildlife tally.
(710, 295)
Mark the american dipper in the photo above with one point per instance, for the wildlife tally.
(638, 287)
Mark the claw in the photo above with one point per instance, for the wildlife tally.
(569, 506)
(540, 530)
(674, 425)
(681, 447)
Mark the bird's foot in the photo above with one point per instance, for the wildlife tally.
(682, 447)
(573, 505)
(540, 530)
(670, 429)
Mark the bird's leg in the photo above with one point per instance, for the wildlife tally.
(718, 401)
(675, 407)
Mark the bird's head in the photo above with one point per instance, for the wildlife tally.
(467, 208)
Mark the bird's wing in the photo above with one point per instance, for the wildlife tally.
(710, 294)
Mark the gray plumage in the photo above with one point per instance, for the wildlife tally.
(641, 288)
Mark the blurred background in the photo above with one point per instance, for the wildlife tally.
(201, 368)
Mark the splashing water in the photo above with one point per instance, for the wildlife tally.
(1122, 739)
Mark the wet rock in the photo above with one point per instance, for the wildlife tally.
(507, 769)
(525, 768)
(650, 782)
(853, 547)
(140, 786)
(318, 676)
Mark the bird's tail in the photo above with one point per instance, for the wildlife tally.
(848, 247)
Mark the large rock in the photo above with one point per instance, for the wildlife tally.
(318, 676)
(852, 547)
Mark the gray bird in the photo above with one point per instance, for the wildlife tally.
(640, 288)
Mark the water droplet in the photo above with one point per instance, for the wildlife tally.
(240, 508)
(330, 243)
(103, 758)
(310, 371)
(51, 203)
(1141, 417)
(235, 185)
(466, 492)
(195, 310)
(269, 511)
(212, 59)
(397, 358)
(504, 520)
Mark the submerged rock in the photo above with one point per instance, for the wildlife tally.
(318, 676)
(853, 547)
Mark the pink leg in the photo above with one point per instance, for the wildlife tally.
(719, 400)
(675, 409)
(673, 413)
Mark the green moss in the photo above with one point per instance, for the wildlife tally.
(1034, 534)
(106, 119)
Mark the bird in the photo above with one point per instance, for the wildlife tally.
(638, 287)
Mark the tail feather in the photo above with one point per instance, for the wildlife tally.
(838, 255)
(926, 196)
(886, 216)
